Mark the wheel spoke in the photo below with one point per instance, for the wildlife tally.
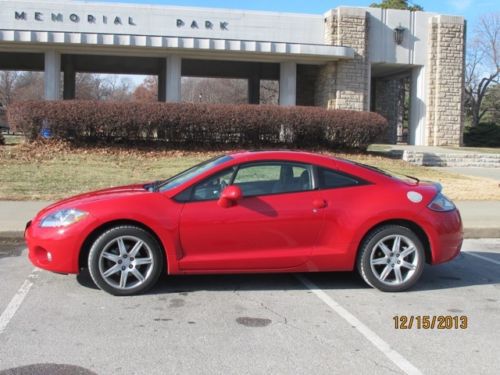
(135, 249)
(123, 279)
(121, 246)
(407, 251)
(379, 261)
(111, 257)
(385, 249)
(408, 265)
(137, 274)
(387, 270)
(397, 244)
(141, 261)
(112, 271)
(399, 276)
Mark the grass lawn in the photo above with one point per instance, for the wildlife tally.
(41, 172)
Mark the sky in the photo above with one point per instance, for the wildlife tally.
(470, 9)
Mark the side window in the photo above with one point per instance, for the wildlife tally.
(273, 178)
(212, 187)
(329, 179)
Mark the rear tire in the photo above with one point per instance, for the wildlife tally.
(125, 260)
(391, 258)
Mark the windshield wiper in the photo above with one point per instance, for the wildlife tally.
(154, 186)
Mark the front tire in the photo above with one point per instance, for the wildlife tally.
(125, 260)
(391, 258)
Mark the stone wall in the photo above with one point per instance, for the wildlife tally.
(350, 79)
(445, 81)
(389, 97)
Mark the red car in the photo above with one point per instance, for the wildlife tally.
(252, 212)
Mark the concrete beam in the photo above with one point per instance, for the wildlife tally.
(288, 83)
(254, 90)
(69, 86)
(52, 76)
(173, 79)
(417, 107)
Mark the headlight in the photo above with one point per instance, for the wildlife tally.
(441, 203)
(63, 218)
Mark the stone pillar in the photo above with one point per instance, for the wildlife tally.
(169, 80)
(417, 107)
(52, 75)
(254, 90)
(348, 27)
(288, 83)
(69, 86)
(326, 86)
(445, 81)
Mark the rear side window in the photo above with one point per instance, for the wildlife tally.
(329, 179)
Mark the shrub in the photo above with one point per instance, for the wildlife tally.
(483, 135)
(197, 125)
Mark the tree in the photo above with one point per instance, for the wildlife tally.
(483, 66)
(8, 80)
(147, 91)
(397, 4)
(491, 102)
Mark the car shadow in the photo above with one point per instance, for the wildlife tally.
(464, 271)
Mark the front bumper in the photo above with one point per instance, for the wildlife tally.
(55, 249)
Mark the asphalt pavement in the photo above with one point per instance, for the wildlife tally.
(250, 324)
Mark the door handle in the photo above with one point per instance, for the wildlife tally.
(319, 203)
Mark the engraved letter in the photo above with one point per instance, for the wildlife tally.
(20, 16)
(57, 17)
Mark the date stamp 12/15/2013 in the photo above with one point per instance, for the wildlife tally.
(431, 322)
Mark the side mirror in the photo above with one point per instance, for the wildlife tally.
(230, 196)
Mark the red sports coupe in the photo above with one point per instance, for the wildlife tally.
(252, 212)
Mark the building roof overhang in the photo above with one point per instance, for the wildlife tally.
(301, 51)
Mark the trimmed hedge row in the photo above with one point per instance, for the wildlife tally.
(195, 125)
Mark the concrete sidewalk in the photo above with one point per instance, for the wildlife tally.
(481, 218)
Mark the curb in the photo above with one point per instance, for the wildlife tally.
(12, 236)
(475, 233)
(469, 233)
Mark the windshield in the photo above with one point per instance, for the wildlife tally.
(192, 172)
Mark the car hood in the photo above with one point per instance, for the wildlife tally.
(93, 196)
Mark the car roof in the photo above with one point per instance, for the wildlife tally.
(279, 154)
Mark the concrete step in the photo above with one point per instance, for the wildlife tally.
(441, 159)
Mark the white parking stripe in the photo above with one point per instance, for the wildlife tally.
(16, 301)
(481, 257)
(371, 336)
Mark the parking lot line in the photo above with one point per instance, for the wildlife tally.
(371, 336)
(16, 301)
(481, 257)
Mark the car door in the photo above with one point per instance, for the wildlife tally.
(274, 226)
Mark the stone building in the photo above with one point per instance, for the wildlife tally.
(360, 59)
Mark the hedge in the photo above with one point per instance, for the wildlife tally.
(197, 125)
(483, 135)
